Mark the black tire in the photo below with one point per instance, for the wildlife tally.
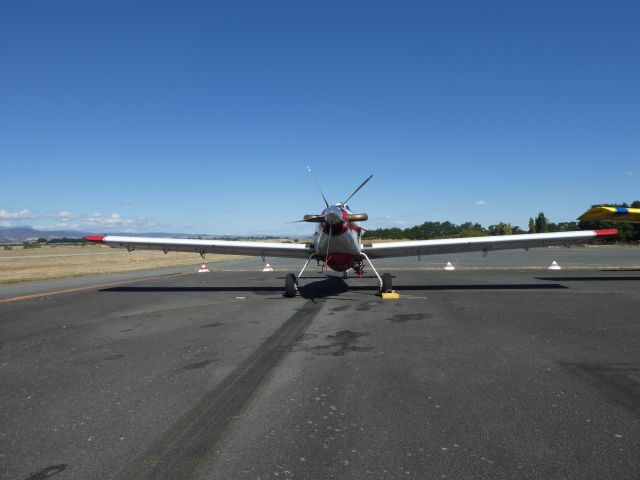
(290, 289)
(387, 282)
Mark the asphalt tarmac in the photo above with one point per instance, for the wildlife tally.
(470, 374)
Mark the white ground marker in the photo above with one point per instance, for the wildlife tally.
(203, 269)
(449, 267)
(554, 266)
(267, 268)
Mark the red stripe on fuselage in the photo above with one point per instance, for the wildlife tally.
(354, 227)
(340, 261)
(336, 229)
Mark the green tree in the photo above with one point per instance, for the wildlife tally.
(563, 227)
(429, 230)
(468, 229)
(542, 223)
(532, 225)
(501, 229)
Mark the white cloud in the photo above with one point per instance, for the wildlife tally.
(59, 226)
(66, 220)
(67, 215)
(115, 220)
(481, 202)
(7, 215)
(388, 221)
(62, 215)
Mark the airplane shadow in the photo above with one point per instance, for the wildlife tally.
(591, 279)
(327, 287)
(620, 270)
(324, 288)
(325, 276)
(332, 285)
(192, 289)
(493, 286)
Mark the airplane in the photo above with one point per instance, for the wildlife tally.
(611, 214)
(337, 244)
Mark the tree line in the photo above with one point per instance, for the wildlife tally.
(540, 224)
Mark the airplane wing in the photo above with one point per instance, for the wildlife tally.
(230, 247)
(483, 244)
(611, 214)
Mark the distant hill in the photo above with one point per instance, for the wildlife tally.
(22, 234)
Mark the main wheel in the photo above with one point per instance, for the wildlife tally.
(387, 282)
(290, 289)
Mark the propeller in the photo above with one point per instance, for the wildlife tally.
(352, 217)
(356, 217)
(355, 191)
(330, 215)
(317, 185)
(311, 218)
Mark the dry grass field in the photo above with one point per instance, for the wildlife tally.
(23, 265)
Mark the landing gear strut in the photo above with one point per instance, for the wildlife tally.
(291, 281)
(385, 283)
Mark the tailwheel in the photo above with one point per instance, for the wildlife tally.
(290, 287)
(387, 283)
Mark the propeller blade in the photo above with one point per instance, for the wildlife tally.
(357, 189)
(317, 185)
(358, 217)
(313, 218)
(310, 218)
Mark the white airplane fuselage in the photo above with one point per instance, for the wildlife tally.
(337, 241)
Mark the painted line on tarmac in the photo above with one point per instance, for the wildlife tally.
(88, 287)
(187, 449)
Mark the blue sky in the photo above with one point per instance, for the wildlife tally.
(200, 117)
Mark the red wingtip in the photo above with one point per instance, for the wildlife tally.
(609, 232)
(94, 238)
